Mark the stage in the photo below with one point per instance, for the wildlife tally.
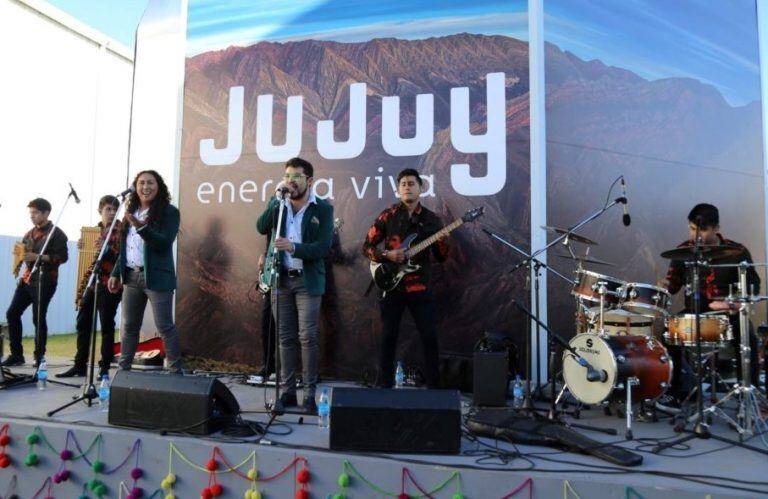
(485, 467)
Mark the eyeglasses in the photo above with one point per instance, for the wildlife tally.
(295, 176)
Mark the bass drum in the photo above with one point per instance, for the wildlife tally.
(620, 357)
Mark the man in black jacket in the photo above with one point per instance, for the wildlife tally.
(36, 289)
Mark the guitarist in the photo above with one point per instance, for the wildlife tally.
(413, 292)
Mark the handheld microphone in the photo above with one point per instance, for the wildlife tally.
(129, 190)
(74, 194)
(282, 189)
(626, 219)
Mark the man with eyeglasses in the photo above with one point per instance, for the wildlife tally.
(303, 241)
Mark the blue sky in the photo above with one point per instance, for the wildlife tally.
(217, 24)
(713, 42)
(116, 18)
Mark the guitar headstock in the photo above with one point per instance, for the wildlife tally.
(473, 214)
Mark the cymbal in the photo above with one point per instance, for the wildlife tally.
(708, 251)
(572, 237)
(588, 259)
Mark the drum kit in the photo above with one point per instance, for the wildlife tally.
(623, 330)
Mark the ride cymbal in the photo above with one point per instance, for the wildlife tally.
(571, 237)
(588, 259)
(708, 251)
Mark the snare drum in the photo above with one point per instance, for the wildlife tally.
(646, 299)
(621, 357)
(586, 287)
(619, 322)
(715, 330)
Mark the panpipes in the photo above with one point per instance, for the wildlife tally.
(87, 254)
(19, 250)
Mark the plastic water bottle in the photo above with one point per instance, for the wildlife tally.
(42, 374)
(518, 393)
(104, 394)
(399, 375)
(323, 410)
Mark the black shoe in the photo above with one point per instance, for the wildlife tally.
(288, 399)
(72, 372)
(309, 405)
(13, 360)
(668, 404)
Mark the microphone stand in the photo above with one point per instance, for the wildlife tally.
(592, 373)
(527, 262)
(277, 408)
(89, 389)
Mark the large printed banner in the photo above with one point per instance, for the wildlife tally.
(361, 90)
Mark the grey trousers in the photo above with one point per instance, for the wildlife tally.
(297, 327)
(135, 296)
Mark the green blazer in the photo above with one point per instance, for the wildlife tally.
(316, 236)
(158, 236)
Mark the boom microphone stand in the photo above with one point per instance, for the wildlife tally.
(89, 390)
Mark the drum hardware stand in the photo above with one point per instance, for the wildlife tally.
(701, 430)
(554, 338)
(629, 382)
(747, 395)
(89, 388)
(526, 262)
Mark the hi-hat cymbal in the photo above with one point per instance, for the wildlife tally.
(708, 251)
(587, 259)
(572, 237)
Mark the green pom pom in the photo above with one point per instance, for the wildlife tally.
(343, 480)
(97, 466)
(93, 484)
(101, 490)
(31, 459)
(339, 496)
(33, 438)
(457, 496)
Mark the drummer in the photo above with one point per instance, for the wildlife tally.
(714, 282)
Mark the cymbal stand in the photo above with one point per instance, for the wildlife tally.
(748, 396)
(527, 403)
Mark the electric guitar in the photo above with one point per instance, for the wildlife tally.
(388, 275)
(265, 275)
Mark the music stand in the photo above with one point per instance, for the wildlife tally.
(89, 389)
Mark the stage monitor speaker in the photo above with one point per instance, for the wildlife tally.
(490, 381)
(456, 371)
(192, 404)
(399, 421)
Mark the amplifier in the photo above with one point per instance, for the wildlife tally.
(192, 404)
(398, 421)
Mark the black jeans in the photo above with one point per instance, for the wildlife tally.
(422, 308)
(267, 334)
(106, 307)
(26, 295)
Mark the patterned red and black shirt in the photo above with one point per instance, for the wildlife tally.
(56, 250)
(112, 252)
(392, 227)
(714, 281)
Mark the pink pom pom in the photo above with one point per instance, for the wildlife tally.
(65, 455)
(136, 473)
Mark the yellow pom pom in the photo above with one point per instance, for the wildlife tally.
(165, 485)
(170, 496)
(256, 495)
(171, 478)
(252, 474)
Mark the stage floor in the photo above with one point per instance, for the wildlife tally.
(487, 467)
